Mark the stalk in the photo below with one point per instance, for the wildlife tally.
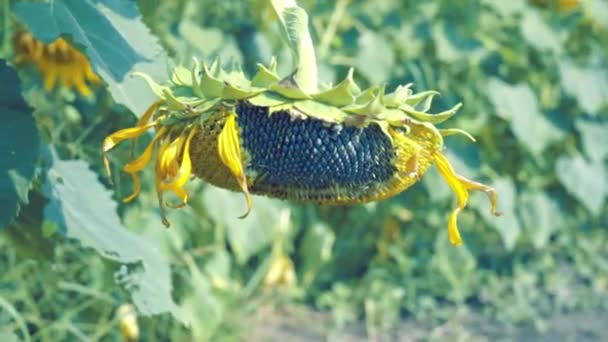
(294, 23)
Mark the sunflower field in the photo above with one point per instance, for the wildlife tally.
(125, 121)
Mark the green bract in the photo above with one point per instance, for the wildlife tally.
(205, 87)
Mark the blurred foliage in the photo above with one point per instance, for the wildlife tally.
(534, 80)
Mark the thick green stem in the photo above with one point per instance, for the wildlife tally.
(294, 22)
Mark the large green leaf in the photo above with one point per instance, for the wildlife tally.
(86, 212)
(506, 8)
(452, 44)
(316, 250)
(519, 105)
(538, 34)
(540, 215)
(598, 11)
(246, 236)
(584, 180)
(595, 138)
(113, 37)
(19, 146)
(375, 58)
(588, 85)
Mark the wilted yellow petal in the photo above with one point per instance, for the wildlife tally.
(185, 167)
(141, 162)
(453, 232)
(461, 186)
(115, 138)
(229, 150)
(128, 133)
(144, 159)
(450, 176)
(179, 192)
(148, 114)
(136, 188)
(490, 192)
(183, 174)
(168, 166)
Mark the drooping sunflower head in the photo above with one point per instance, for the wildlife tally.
(290, 138)
(57, 61)
(341, 145)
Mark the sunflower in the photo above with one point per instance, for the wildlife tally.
(58, 60)
(290, 138)
(563, 6)
(269, 140)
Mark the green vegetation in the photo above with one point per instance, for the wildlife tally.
(534, 83)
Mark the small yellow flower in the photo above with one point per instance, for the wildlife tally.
(564, 6)
(127, 321)
(281, 272)
(56, 61)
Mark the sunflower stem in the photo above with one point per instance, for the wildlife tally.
(294, 23)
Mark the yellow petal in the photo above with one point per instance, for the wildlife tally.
(461, 186)
(183, 174)
(136, 188)
(141, 162)
(168, 159)
(128, 133)
(453, 232)
(229, 150)
(185, 167)
(182, 194)
(449, 175)
(148, 114)
(81, 85)
(115, 138)
(490, 192)
(144, 158)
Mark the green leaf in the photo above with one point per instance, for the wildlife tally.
(247, 236)
(86, 212)
(375, 57)
(588, 85)
(316, 250)
(538, 34)
(113, 37)
(456, 265)
(195, 35)
(341, 95)
(595, 138)
(7, 335)
(19, 146)
(506, 8)
(451, 44)
(540, 215)
(598, 11)
(584, 180)
(518, 105)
